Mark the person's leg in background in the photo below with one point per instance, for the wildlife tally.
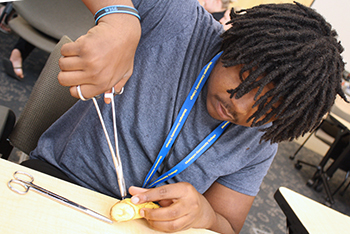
(13, 66)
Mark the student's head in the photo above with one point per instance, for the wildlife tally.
(215, 5)
(285, 60)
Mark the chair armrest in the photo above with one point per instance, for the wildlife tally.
(7, 122)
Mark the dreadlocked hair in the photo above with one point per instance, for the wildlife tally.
(293, 47)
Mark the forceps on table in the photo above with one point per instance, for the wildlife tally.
(115, 153)
(25, 181)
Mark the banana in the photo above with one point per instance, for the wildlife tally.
(125, 210)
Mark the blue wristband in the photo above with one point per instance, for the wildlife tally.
(116, 9)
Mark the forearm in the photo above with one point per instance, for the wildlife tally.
(94, 5)
(212, 220)
(221, 225)
(231, 208)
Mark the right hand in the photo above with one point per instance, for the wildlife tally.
(182, 207)
(103, 58)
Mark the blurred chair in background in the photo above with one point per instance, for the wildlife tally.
(47, 102)
(41, 23)
(44, 22)
(326, 132)
(335, 132)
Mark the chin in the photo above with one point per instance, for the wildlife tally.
(211, 111)
(213, 114)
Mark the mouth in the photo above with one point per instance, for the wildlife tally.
(223, 112)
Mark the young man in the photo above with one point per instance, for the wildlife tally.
(278, 74)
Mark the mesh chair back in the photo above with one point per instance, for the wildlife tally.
(47, 102)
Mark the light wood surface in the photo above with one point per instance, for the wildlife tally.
(341, 111)
(315, 217)
(34, 213)
(242, 4)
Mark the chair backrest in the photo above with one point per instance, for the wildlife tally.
(47, 102)
(44, 22)
(56, 18)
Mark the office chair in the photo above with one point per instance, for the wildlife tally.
(346, 187)
(337, 156)
(47, 102)
(7, 122)
(44, 22)
(326, 132)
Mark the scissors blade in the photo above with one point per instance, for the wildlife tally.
(97, 215)
(69, 203)
(118, 167)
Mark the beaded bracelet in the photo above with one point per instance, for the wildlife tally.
(116, 9)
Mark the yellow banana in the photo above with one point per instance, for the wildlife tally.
(125, 210)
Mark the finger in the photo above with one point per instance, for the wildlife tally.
(108, 96)
(173, 212)
(118, 89)
(70, 49)
(70, 63)
(133, 190)
(170, 191)
(87, 91)
(179, 224)
(71, 78)
(74, 92)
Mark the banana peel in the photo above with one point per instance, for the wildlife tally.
(125, 210)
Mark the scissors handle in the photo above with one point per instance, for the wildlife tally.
(21, 178)
(29, 184)
(24, 190)
(18, 176)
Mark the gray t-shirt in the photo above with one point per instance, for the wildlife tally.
(178, 39)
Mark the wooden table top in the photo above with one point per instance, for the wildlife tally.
(315, 217)
(34, 213)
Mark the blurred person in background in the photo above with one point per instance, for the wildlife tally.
(219, 9)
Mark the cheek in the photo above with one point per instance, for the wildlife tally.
(244, 108)
(245, 104)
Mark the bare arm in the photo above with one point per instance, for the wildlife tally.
(230, 206)
(94, 5)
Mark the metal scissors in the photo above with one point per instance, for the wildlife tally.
(25, 182)
(114, 152)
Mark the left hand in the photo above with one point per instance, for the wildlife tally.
(183, 207)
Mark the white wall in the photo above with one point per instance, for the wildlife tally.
(337, 13)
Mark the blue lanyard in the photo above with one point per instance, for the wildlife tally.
(176, 128)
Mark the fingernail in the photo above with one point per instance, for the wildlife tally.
(135, 200)
(142, 213)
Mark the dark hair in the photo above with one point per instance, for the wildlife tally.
(293, 47)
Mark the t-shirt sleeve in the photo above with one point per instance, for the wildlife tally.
(248, 179)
